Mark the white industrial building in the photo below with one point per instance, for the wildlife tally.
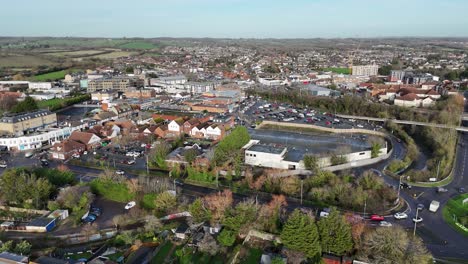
(273, 156)
(365, 70)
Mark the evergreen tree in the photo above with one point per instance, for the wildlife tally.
(198, 211)
(300, 234)
(335, 234)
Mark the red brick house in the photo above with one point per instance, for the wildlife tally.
(65, 149)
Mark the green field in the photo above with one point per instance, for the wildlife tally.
(456, 214)
(18, 60)
(338, 70)
(81, 42)
(113, 55)
(51, 76)
(143, 45)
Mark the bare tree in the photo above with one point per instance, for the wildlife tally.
(208, 245)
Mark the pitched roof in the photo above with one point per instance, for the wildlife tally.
(408, 97)
(67, 145)
(83, 137)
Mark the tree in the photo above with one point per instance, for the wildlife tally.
(311, 162)
(392, 245)
(7, 246)
(217, 203)
(198, 211)
(23, 248)
(335, 234)
(385, 70)
(227, 237)
(290, 185)
(190, 155)
(240, 218)
(269, 214)
(230, 145)
(165, 201)
(208, 245)
(157, 156)
(375, 149)
(28, 105)
(152, 224)
(300, 234)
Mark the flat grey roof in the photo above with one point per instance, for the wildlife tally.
(266, 148)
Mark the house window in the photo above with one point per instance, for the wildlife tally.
(255, 155)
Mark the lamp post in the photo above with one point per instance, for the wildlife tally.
(415, 222)
(399, 187)
(302, 184)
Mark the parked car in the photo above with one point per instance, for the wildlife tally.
(95, 211)
(3, 164)
(400, 216)
(375, 217)
(417, 220)
(28, 154)
(461, 190)
(179, 182)
(90, 218)
(130, 205)
(76, 156)
(404, 185)
(385, 224)
(119, 172)
(441, 190)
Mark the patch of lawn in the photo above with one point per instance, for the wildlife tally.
(111, 190)
(254, 256)
(162, 253)
(338, 70)
(456, 214)
(148, 201)
(51, 76)
(84, 255)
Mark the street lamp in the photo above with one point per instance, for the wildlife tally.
(416, 221)
(399, 187)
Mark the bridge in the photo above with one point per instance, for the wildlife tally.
(465, 117)
(87, 105)
(405, 122)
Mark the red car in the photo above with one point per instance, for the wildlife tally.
(377, 218)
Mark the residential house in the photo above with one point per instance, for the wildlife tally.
(408, 100)
(121, 110)
(65, 149)
(176, 126)
(189, 125)
(90, 140)
(199, 131)
(214, 132)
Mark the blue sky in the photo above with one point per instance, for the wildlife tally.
(234, 18)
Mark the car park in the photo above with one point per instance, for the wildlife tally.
(400, 216)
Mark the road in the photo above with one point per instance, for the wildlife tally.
(405, 122)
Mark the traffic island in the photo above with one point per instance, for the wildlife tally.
(455, 213)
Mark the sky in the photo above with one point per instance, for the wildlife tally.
(235, 18)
